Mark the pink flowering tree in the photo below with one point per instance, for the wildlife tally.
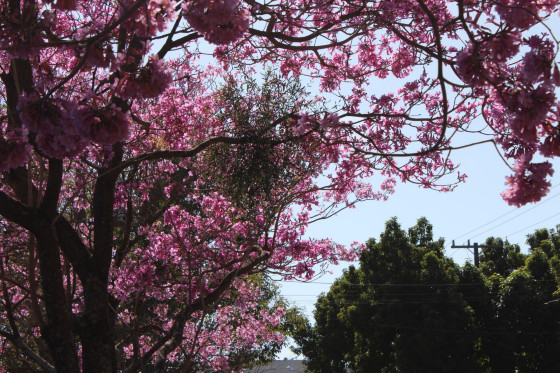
(151, 161)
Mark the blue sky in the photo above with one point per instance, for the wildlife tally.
(474, 211)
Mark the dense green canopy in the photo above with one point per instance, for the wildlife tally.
(408, 308)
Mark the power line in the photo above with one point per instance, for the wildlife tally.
(403, 284)
(376, 302)
(405, 302)
(521, 230)
(507, 213)
(515, 216)
(469, 331)
(378, 298)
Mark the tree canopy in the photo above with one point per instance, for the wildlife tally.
(409, 308)
(156, 153)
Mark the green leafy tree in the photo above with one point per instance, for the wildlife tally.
(529, 303)
(482, 289)
(513, 298)
(400, 311)
(330, 342)
(408, 308)
(500, 257)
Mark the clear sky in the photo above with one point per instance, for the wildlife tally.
(474, 211)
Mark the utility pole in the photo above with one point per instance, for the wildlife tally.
(475, 246)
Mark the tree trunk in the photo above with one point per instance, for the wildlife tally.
(57, 330)
(98, 329)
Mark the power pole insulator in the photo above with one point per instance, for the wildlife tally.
(475, 246)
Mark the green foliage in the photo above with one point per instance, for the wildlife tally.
(399, 311)
(270, 299)
(261, 113)
(408, 308)
(501, 258)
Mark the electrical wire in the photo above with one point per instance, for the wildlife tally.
(507, 213)
(521, 298)
(467, 331)
(521, 230)
(516, 216)
(403, 284)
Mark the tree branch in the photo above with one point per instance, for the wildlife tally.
(20, 344)
(54, 182)
(18, 213)
(173, 338)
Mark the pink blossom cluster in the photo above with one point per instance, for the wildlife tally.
(306, 123)
(150, 81)
(161, 12)
(54, 125)
(550, 146)
(62, 129)
(328, 121)
(482, 62)
(219, 21)
(521, 97)
(98, 55)
(150, 19)
(104, 126)
(528, 183)
(522, 14)
(63, 4)
(470, 65)
(14, 150)
(18, 38)
(152, 242)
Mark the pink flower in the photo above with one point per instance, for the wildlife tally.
(389, 184)
(537, 63)
(328, 121)
(551, 144)
(14, 151)
(161, 11)
(17, 41)
(219, 21)
(505, 45)
(303, 124)
(54, 124)
(528, 183)
(38, 114)
(470, 67)
(151, 81)
(520, 14)
(66, 4)
(97, 55)
(61, 141)
(530, 108)
(105, 126)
